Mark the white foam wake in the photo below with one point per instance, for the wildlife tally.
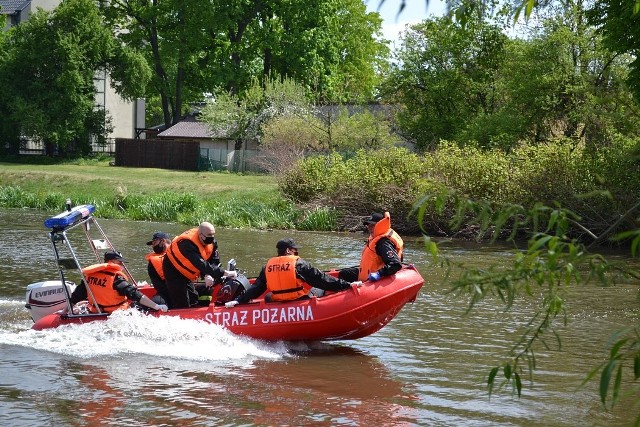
(131, 332)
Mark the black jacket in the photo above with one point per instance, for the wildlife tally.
(304, 271)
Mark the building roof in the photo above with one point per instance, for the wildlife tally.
(190, 127)
(9, 7)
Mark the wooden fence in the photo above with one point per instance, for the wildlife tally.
(158, 153)
(177, 154)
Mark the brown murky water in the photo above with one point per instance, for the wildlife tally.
(427, 367)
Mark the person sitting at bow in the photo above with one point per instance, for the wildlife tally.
(109, 289)
(159, 243)
(289, 277)
(191, 255)
(381, 255)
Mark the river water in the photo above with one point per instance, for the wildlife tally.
(427, 367)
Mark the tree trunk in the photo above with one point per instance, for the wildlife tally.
(235, 37)
(179, 83)
(160, 74)
(266, 68)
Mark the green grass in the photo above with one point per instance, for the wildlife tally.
(99, 178)
(145, 194)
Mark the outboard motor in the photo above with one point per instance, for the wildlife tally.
(44, 298)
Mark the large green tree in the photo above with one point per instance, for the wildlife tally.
(329, 45)
(197, 46)
(172, 37)
(617, 20)
(558, 82)
(47, 69)
(472, 84)
(444, 77)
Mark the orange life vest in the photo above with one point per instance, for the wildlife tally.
(282, 280)
(99, 279)
(180, 262)
(370, 261)
(156, 261)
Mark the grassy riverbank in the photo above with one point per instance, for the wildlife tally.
(228, 200)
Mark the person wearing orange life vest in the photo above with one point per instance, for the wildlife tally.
(192, 255)
(381, 255)
(108, 287)
(289, 277)
(159, 243)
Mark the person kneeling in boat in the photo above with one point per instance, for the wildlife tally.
(288, 277)
(381, 255)
(108, 287)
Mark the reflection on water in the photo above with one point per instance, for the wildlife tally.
(427, 367)
(328, 385)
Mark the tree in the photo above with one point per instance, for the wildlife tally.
(349, 128)
(195, 46)
(557, 82)
(240, 116)
(47, 70)
(437, 56)
(332, 48)
(328, 45)
(617, 20)
(619, 23)
(592, 101)
(172, 35)
(289, 137)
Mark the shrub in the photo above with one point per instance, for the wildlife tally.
(470, 171)
(546, 172)
(369, 181)
(362, 130)
(559, 171)
(311, 177)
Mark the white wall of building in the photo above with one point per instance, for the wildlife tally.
(126, 116)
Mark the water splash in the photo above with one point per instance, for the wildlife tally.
(131, 332)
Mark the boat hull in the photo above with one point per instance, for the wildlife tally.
(351, 314)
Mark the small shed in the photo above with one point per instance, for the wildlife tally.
(216, 150)
(187, 145)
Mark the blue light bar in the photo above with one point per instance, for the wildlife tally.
(68, 218)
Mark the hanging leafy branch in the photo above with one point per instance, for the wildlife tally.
(552, 262)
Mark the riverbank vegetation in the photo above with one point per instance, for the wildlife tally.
(593, 183)
(228, 200)
(333, 191)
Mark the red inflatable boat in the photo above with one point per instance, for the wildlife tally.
(350, 314)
